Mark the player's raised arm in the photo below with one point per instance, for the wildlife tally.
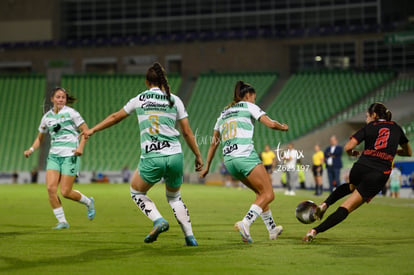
(273, 124)
(109, 121)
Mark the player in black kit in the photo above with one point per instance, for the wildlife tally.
(371, 171)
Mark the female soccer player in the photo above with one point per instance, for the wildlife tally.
(161, 156)
(371, 171)
(234, 129)
(63, 123)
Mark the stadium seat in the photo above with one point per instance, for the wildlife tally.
(21, 102)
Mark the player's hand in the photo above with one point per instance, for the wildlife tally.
(86, 134)
(78, 152)
(27, 153)
(203, 173)
(285, 127)
(198, 164)
(355, 153)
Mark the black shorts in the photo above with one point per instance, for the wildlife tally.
(317, 172)
(268, 168)
(369, 182)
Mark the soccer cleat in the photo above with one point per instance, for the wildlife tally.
(244, 231)
(190, 241)
(91, 209)
(160, 225)
(320, 211)
(310, 236)
(61, 225)
(275, 233)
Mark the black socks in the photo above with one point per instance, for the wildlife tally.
(338, 216)
(339, 193)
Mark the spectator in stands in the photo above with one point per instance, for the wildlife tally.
(318, 160)
(333, 154)
(161, 155)
(63, 124)
(268, 158)
(234, 130)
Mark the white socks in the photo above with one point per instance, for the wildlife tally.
(268, 220)
(84, 199)
(180, 211)
(252, 215)
(145, 204)
(60, 215)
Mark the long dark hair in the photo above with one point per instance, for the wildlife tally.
(381, 111)
(156, 76)
(240, 90)
(69, 99)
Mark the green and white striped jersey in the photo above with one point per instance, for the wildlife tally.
(236, 128)
(157, 122)
(63, 129)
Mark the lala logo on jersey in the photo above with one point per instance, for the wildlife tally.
(228, 148)
(156, 145)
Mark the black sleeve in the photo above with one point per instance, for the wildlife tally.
(403, 138)
(359, 135)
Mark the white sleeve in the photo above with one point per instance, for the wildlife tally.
(217, 126)
(181, 112)
(255, 111)
(131, 105)
(43, 127)
(77, 118)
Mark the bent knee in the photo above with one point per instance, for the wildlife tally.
(65, 193)
(268, 197)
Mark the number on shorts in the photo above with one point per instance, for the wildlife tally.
(229, 130)
(382, 139)
(155, 124)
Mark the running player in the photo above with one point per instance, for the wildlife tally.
(371, 171)
(234, 129)
(161, 156)
(63, 123)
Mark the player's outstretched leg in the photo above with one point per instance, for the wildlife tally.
(340, 192)
(274, 231)
(147, 207)
(89, 202)
(182, 215)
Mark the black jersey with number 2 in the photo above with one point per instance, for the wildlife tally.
(381, 142)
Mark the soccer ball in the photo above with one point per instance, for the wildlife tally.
(305, 212)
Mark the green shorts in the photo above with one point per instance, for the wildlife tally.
(65, 165)
(168, 167)
(395, 186)
(240, 167)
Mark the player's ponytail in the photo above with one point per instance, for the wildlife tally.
(156, 75)
(240, 90)
(381, 111)
(69, 98)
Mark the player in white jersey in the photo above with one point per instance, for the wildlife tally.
(62, 123)
(157, 111)
(234, 130)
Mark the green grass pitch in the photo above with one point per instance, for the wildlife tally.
(376, 239)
